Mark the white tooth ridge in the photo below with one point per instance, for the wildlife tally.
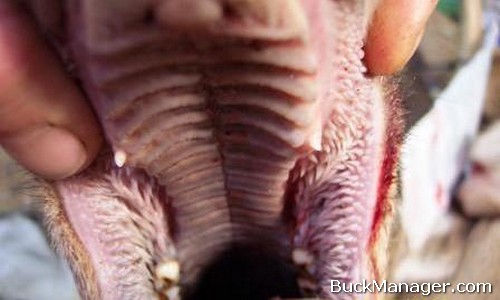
(120, 158)
(302, 257)
(316, 137)
(169, 270)
(173, 293)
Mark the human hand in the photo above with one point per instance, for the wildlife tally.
(394, 34)
(45, 122)
(47, 126)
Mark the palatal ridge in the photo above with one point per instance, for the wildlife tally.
(245, 144)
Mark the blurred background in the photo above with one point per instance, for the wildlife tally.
(449, 212)
(448, 228)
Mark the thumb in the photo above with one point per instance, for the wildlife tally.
(395, 31)
(45, 122)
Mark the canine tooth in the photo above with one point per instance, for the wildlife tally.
(302, 257)
(169, 270)
(120, 158)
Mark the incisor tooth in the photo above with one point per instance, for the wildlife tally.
(173, 293)
(302, 257)
(169, 270)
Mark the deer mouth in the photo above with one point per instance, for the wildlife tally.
(248, 155)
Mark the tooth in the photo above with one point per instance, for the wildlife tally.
(302, 257)
(316, 137)
(120, 158)
(305, 263)
(173, 293)
(169, 270)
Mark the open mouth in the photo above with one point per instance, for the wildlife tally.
(248, 157)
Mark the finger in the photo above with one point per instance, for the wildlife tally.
(45, 122)
(395, 31)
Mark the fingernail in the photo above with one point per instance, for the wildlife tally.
(50, 152)
(419, 35)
